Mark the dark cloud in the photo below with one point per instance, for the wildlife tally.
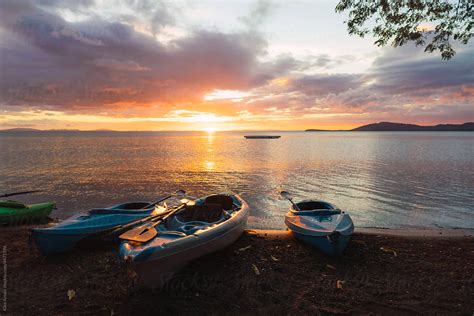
(156, 14)
(51, 63)
(99, 65)
(402, 82)
(324, 61)
(259, 13)
(324, 84)
(400, 73)
(66, 4)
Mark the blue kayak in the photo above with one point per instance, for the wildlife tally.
(320, 225)
(204, 226)
(67, 234)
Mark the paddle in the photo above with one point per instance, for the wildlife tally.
(147, 231)
(287, 195)
(18, 193)
(178, 193)
(114, 231)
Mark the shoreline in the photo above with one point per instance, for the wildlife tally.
(423, 232)
(395, 232)
(264, 271)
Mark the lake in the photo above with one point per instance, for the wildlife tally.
(383, 179)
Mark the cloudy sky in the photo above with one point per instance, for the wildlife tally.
(224, 65)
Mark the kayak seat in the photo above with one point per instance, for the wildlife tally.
(322, 214)
(207, 212)
(226, 202)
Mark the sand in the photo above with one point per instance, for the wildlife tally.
(264, 272)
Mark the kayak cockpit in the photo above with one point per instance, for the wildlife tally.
(202, 214)
(314, 207)
(309, 205)
(133, 205)
(125, 208)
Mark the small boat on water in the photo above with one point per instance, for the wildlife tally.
(203, 226)
(80, 227)
(262, 136)
(14, 212)
(320, 225)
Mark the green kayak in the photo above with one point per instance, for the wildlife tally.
(17, 212)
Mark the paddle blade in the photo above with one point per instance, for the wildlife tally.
(18, 193)
(141, 233)
(285, 195)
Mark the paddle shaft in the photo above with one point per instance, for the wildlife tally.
(149, 217)
(117, 230)
(159, 201)
(179, 208)
(294, 204)
(18, 193)
(114, 231)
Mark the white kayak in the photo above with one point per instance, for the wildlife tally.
(207, 225)
(320, 225)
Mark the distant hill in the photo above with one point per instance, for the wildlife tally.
(20, 130)
(37, 130)
(400, 127)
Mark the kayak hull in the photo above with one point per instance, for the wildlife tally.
(325, 228)
(28, 213)
(157, 261)
(84, 227)
(330, 245)
(156, 273)
(48, 243)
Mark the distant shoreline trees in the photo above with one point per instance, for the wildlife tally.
(397, 22)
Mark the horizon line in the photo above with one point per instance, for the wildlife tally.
(30, 129)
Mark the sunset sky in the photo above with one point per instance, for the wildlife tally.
(223, 65)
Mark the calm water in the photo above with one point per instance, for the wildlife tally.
(383, 179)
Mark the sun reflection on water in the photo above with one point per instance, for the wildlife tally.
(209, 165)
(382, 179)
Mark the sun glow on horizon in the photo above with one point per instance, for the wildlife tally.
(210, 130)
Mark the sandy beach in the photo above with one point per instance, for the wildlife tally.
(263, 272)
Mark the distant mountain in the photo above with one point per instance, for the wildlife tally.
(20, 130)
(400, 127)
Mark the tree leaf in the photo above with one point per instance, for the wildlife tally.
(388, 249)
(245, 248)
(71, 294)
(255, 269)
